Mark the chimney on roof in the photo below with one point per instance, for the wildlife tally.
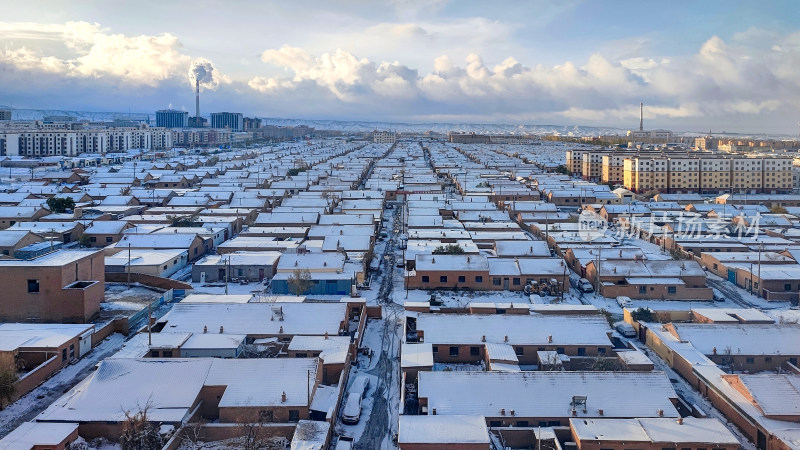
(220, 329)
(205, 329)
(433, 411)
(574, 412)
(550, 339)
(326, 335)
(283, 397)
(483, 338)
(660, 413)
(599, 412)
(505, 338)
(512, 412)
(280, 331)
(502, 411)
(680, 420)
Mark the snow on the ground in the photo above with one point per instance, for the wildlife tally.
(121, 306)
(233, 288)
(31, 404)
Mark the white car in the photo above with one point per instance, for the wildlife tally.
(586, 286)
(623, 301)
(352, 408)
(625, 329)
(361, 385)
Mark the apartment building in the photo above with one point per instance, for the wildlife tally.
(575, 161)
(707, 174)
(612, 167)
(383, 137)
(645, 173)
(40, 142)
(591, 166)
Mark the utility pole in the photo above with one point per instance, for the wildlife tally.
(128, 267)
(597, 281)
(227, 272)
(760, 249)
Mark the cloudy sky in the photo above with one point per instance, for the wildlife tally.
(697, 65)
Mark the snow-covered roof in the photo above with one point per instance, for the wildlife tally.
(333, 349)
(51, 335)
(55, 259)
(121, 384)
(749, 339)
(442, 430)
(255, 319)
(294, 376)
(213, 341)
(310, 435)
(416, 355)
(655, 430)
(9, 238)
(106, 227)
(175, 240)
(775, 394)
(515, 248)
(548, 394)
(37, 434)
(513, 329)
(451, 262)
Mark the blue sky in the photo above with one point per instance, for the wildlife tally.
(720, 65)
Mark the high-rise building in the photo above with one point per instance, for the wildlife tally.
(197, 122)
(252, 123)
(171, 118)
(232, 121)
(5, 114)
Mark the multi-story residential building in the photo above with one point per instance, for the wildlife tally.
(5, 114)
(172, 118)
(251, 123)
(645, 173)
(706, 173)
(706, 143)
(40, 143)
(592, 165)
(232, 121)
(384, 137)
(683, 174)
(715, 175)
(612, 168)
(575, 161)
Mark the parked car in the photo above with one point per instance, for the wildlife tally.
(361, 385)
(352, 408)
(625, 329)
(585, 286)
(623, 301)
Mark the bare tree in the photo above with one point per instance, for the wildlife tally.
(299, 281)
(8, 378)
(138, 432)
(192, 432)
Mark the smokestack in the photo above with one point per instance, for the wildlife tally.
(197, 104)
(641, 111)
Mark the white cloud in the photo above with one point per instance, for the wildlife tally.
(94, 52)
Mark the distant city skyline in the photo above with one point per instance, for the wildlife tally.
(696, 65)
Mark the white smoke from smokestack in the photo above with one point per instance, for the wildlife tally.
(202, 70)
